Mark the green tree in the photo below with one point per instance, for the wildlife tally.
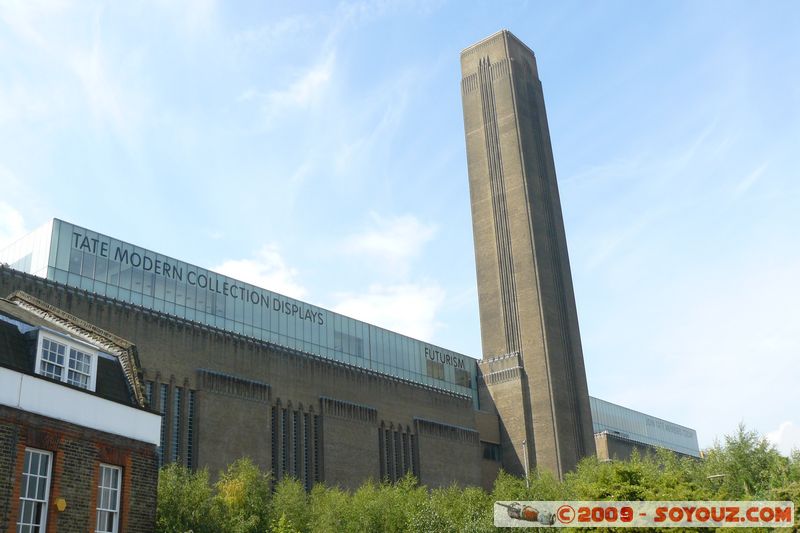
(290, 501)
(243, 497)
(283, 525)
(329, 507)
(389, 507)
(459, 509)
(185, 501)
(748, 466)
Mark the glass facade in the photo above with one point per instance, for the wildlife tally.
(30, 253)
(641, 427)
(97, 263)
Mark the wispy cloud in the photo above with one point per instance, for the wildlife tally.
(380, 117)
(20, 103)
(22, 17)
(106, 82)
(267, 36)
(411, 309)
(108, 102)
(193, 18)
(786, 438)
(393, 242)
(267, 269)
(748, 181)
(707, 334)
(306, 88)
(12, 224)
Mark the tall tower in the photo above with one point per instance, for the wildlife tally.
(533, 369)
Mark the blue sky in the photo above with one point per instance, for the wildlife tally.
(317, 149)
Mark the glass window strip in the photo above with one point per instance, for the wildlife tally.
(275, 461)
(398, 456)
(190, 431)
(414, 456)
(163, 393)
(285, 443)
(317, 448)
(148, 392)
(382, 452)
(307, 451)
(177, 405)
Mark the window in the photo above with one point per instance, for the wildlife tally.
(177, 409)
(349, 344)
(34, 492)
(463, 378)
(435, 369)
(190, 432)
(148, 392)
(108, 499)
(276, 474)
(163, 391)
(52, 359)
(491, 451)
(66, 362)
(80, 368)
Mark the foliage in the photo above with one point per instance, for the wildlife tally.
(245, 500)
(748, 464)
(185, 501)
(242, 496)
(290, 501)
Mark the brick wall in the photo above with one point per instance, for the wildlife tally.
(238, 380)
(77, 454)
(9, 436)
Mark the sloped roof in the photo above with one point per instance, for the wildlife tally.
(30, 310)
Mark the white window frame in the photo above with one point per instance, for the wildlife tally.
(70, 344)
(24, 527)
(115, 511)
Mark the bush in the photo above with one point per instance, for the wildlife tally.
(185, 501)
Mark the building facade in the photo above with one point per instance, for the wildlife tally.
(354, 402)
(532, 357)
(77, 445)
(619, 430)
(237, 370)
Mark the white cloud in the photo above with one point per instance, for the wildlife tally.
(193, 18)
(267, 269)
(301, 93)
(108, 82)
(748, 181)
(19, 103)
(110, 93)
(410, 309)
(710, 349)
(276, 33)
(12, 225)
(786, 438)
(393, 241)
(23, 17)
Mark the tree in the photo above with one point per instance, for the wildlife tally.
(243, 497)
(185, 501)
(746, 466)
(749, 466)
(330, 505)
(290, 502)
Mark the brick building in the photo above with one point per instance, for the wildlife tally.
(77, 445)
(238, 370)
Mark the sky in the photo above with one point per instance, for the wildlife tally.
(317, 149)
